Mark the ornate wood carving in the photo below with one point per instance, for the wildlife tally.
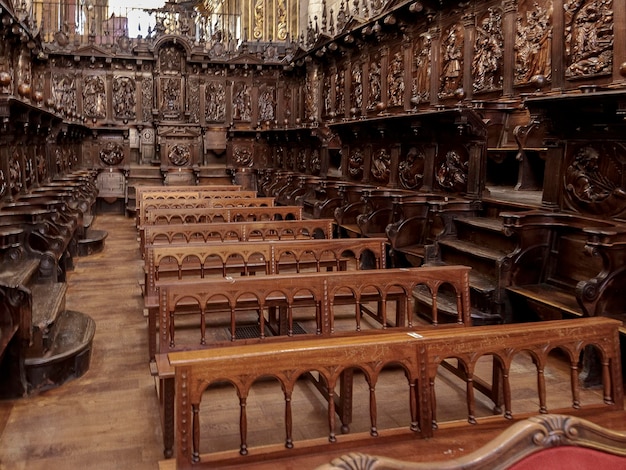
(356, 162)
(242, 105)
(423, 55)
(452, 171)
(375, 91)
(411, 169)
(395, 80)
(452, 61)
(381, 166)
(94, 97)
(124, 97)
(533, 41)
(487, 73)
(215, 102)
(111, 154)
(588, 37)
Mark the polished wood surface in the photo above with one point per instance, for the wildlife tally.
(109, 418)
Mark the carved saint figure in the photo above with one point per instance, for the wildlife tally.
(533, 44)
(421, 90)
(411, 170)
(395, 78)
(452, 54)
(375, 85)
(266, 105)
(488, 50)
(124, 97)
(215, 99)
(94, 97)
(357, 87)
(381, 166)
(242, 109)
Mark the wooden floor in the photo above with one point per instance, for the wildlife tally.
(108, 419)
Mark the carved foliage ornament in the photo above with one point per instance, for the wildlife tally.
(112, 154)
(242, 156)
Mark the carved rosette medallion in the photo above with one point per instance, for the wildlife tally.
(242, 156)
(592, 179)
(179, 155)
(112, 154)
(411, 170)
(355, 163)
(381, 166)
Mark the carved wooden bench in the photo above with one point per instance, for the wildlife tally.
(239, 231)
(199, 261)
(321, 291)
(419, 355)
(565, 265)
(167, 216)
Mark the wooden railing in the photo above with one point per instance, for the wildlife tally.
(419, 355)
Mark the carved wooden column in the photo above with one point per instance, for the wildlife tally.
(508, 58)
(469, 26)
(551, 198)
(384, 83)
(558, 53)
(435, 67)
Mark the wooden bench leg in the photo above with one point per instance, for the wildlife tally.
(167, 415)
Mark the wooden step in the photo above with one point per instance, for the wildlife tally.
(472, 250)
(93, 242)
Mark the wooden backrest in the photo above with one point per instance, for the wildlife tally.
(223, 214)
(200, 260)
(239, 231)
(417, 354)
(322, 290)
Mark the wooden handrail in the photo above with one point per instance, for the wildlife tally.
(418, 355)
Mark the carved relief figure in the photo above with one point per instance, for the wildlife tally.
(356, 95)
(488, 50)
(64, 90)
(339, 91)
(42, 167)
(215, 101)
(310, 98)
(242, 108)
(170, 59)
(179, 155)
(170, 104)
(533, 43)
(146, 98)
(124, 97)
(395, 79)
(3, 183)
(316, 162)
(452, 172)
(411, 170)
(94, 97)
(327, 96)
(588, 37)
(588, 185)
(301, 160)
(267, 105)
(421, 87)
(15, 173)
(194, 99)
(112, 154)
(452, 55)
(381, 166)
(375, 84)
(355, 164)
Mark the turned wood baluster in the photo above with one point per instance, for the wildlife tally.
(288, 421)
(434, 309)
(506, 390)
(202, 270)
(470, 398)
(195, 452)
(233, 332)
(459, 305)
(172, 329)
(357, 313)
(331, 411)
(289, 319)
(433, 402)
(262, 321)
(541, 386)
(606, 382)
(203, 325)
(413, 406)
(373, 412)
(405, 315)
(382, 309)
(575, 385)
(243, 425)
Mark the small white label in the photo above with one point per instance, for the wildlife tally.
(415, 335)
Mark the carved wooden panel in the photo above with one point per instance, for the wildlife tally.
(452, 44)
(533, 40)
(395, 79)
(124, 97)
(94, 96)
(422, 54)
(451, 170)
(215, 101)
(411, 168)
(487, 65)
